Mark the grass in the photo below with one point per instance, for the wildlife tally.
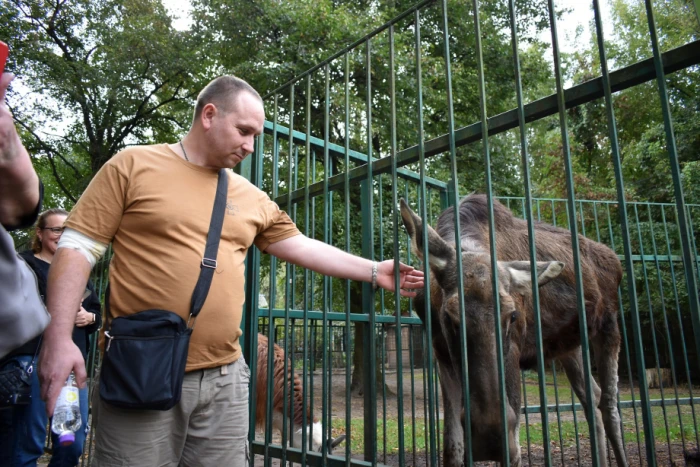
(392, 435)
(564, 426)
(569, 431)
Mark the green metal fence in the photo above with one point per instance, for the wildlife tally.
(349, 137)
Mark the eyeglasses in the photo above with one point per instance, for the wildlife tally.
(54, 230)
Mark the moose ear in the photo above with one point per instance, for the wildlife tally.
(440, 253)
(520, 278)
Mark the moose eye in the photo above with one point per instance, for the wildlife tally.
(513, 317)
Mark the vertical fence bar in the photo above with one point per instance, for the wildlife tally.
(527, 419)
(313, 303)
(369, 330)
(325, 280)
(576, 436)
(492, 240)
(631, 288)
(428, 359)
(271, 301)
(412, 362)
(288, 408)
(395, 231)
(454, 185)
(348, 306)
(558, 411)
(307, 279)
(250, 307)
(382, 308)
(531, 244)
(571, 204)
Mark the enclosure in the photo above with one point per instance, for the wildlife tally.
(437, 103)
(412, 111)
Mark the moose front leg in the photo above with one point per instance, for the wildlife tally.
(453, 445)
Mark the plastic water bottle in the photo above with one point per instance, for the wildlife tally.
(66, 415)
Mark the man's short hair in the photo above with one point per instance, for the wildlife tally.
(223, 93)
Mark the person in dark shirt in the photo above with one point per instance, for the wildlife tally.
(30, 421)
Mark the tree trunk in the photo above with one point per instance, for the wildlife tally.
(356, 385)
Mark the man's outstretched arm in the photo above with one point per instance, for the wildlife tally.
(329, 260)
(59, 356)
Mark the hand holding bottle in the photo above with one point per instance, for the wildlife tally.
(66, 417)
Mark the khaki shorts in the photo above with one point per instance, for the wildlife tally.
(208, 427)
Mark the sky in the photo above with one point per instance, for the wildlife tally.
(581, 15)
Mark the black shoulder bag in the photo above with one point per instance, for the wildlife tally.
(145, 354)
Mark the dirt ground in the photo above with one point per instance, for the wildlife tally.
(535, 457)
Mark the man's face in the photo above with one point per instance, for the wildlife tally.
(232, 135)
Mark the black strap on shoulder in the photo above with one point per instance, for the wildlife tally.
(208, 264)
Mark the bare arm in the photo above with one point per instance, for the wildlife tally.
(59, 356)
(328, 260)
(19, 183)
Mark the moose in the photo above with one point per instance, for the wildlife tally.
(601, 274)
(314, 429)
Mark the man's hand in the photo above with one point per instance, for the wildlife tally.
(57, 359)
(84, 318)
(19, 183)
(8, 134)
(409, 278)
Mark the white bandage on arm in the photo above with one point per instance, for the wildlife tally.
(91, 249)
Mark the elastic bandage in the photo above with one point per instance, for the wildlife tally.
(91, 249)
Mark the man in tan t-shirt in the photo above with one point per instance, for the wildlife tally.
(153, 204)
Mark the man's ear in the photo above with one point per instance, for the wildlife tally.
(208, 113)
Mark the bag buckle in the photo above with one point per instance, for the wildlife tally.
(192, 320)
(208, 263)
(109, 340)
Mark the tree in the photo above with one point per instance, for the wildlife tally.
(99, 75)
(639, 120)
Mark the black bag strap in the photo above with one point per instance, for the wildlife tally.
(36, 354)
(208, 263)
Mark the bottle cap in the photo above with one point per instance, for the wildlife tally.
(67, 438)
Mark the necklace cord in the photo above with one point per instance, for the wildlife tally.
(184, 153)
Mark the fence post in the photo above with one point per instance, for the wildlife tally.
(369, 385)
(249, 320)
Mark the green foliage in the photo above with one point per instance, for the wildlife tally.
(640, 127)
(95, 76)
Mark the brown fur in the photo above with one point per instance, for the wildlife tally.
(601, 275)
(294, 389)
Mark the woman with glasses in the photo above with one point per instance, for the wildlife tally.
(30, 422)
